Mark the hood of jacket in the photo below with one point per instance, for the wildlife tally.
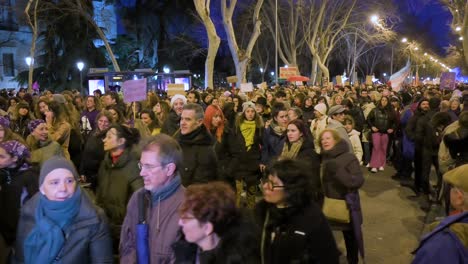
(340, 148)
(354, 132)
(200, 136)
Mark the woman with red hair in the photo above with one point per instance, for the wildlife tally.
(226, 148)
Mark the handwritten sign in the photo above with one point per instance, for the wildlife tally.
(369, 79)
(447, 81)
(231, 79)
(134, 90)
(286, 72)
(246, 87)
(175, 88)
(339, 80)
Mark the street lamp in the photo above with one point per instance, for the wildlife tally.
(261, 70)
(80, 66)
(272, 73)
(458, 28)
(166, 69)
(404, 40)
(29, 61)
(460, 38)
(374, 19)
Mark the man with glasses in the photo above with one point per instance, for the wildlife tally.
(337, 115)
(447, 243)
(160, 198)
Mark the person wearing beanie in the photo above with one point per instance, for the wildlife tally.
(288, 214)
(23, 116)
(248, 132)
(18, 183)
(41, 146)
(60, 223)
(319, 123)
(172, 123)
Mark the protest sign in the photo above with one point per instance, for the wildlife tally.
(447, 81)
(175, 88)
(231, 79)
(246, 87)
(286, 72)
(134, 90)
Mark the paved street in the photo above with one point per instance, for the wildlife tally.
(392, 223)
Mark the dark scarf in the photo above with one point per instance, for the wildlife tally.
(46, 239)
(166, 191)
(200, 136)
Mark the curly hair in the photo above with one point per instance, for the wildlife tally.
(213, 202)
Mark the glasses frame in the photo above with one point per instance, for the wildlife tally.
(148, 167)
(270, 184)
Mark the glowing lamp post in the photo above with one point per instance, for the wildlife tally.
(80, 66)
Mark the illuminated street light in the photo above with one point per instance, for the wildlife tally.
(458, 28)
(166, 69)
(374, 19)
(80, 66)
(404, 40)
(416, 48)
(286, 66)
(261, 70)
(425, 53)
(460, 38)
(272, 73)
(385, 75)
(29, 61)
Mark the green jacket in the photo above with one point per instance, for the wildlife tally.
(115, 185)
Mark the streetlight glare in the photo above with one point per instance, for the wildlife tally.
(374, 19)
(460, 38)
(28, 61)
(80, 65)
(272, 73)
(458, 28)
(404, 40)
(166, 69)
(261, 70)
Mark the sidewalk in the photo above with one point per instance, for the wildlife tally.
(392, 224)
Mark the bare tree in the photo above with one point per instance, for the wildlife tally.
(34, 25)
(240, 56)
(459, 10)
(203, 10)
(323, 22)
(290, 40)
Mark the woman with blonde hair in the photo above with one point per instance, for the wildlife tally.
(58, 126)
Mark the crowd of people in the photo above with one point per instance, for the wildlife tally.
(219, 176)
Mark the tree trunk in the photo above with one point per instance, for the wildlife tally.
(203, 10)
(313, 75)
(33, 41)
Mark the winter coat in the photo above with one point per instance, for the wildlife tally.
(272, 145)
(308, 114)
(16, 187)
(308, 155)
(42, 151)
(172, 124)
(446, 161)
(199, 158)
(382, 119)
(92, 156)
(336, 125)
(162, 219)
(20, 126)
(61, 133)
(238, 244)
(418, 119)
(87, 240)
(447, 243)
(356, 143)
(115, 185)
(295, 235)
(457, 143)
(247, 167)
(228, 152)
(358, 116)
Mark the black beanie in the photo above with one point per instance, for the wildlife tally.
(56, 163)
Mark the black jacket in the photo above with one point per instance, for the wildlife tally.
(308, 155)
(272, 145)
(20, 126)
(172, 124)
(295, 235)
(238, 245)
(457, 143)
(382, 119)
(247, 167)
(87, 239)
(92, 155)
(12, 185)
(199, 158)
(228, 152)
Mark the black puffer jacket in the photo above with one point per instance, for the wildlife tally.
(295, 235)
(382, 119)
(200, 163)
(172, 124)
(87, 238)
(16, 187)
(238, 245)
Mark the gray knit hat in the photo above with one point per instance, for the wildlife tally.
(56, 162)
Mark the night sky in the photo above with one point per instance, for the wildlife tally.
(426, 21)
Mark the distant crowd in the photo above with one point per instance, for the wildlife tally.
(220, 176)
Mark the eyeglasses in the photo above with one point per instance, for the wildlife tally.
(269, 184)
(148, 167)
